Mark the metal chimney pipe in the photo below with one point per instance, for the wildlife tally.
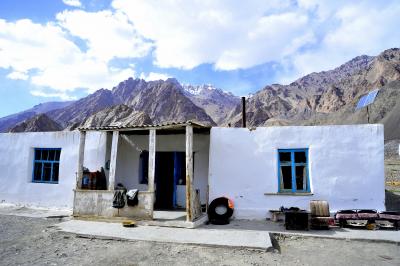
(243, 111)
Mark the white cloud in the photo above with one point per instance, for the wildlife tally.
(109, 35)
(61, 95)
(88, 73)
(79, 48)
(25, 45)
(231, 35)
(306, 36)
(362, 28)
(17, 75)
(54, 61)
(74, 3)
(154, 76)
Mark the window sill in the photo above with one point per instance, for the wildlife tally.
(289, 194)
(44, 182)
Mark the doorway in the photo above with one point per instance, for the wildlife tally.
(170, 171)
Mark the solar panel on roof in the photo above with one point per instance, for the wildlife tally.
(367, 99)
(361, 102)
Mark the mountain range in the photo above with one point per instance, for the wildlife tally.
(330, 97)
(327, 97)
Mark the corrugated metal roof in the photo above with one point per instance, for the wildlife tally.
(169, 125)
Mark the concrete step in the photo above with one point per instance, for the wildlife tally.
(209, 237)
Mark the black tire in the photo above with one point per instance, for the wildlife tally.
(219, 202)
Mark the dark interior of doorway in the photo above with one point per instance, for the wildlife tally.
(170, 171)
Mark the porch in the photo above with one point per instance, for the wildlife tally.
(168, 164)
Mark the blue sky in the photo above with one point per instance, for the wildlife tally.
(64, 49)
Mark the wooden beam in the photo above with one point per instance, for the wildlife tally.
(81, 156)
(189, 174)
(152, 166)
(130, 142)
(113, 160)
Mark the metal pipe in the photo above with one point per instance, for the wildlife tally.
(243, 111)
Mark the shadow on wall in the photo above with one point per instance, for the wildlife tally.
(392, 201)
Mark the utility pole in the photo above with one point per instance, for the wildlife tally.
(243, 111)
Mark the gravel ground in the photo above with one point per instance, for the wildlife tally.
(34, 241)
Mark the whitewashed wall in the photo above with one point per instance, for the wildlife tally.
(127, 170)
(17, 154)
(346, 166)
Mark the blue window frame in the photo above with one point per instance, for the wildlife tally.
(46, 165)
(293, 173)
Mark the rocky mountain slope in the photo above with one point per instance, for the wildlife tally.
(10, 121)
(216, 102)
(118, 114)
(327, 97)
(322, 97)
(384, 110)
(78, 111)
(37, 123)
(162, 101)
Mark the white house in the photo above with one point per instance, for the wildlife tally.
(341, 164)
(187, 165)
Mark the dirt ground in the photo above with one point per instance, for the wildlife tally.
(35, 241)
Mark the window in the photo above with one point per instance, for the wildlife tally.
(143, 167)
(46, 165)
(293, 170)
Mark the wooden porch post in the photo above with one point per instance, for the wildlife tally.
(113, 160)
(81, 156)
(189, 174)
(152, 164)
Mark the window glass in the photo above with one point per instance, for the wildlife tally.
(47, 172)
(57, 155)
(38, 154)
(55, 171)
(300, 177)
(300, 157)
(37, 172)
(285, 157)
(286, 173)
(51, 155)
(45, 154)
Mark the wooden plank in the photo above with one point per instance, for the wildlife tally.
(189, 174)
(152, 166)
(207, 196)
(130, 142)
(81, 156)
(113, 160)
(196, 205)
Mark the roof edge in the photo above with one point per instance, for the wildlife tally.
(168, 125)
